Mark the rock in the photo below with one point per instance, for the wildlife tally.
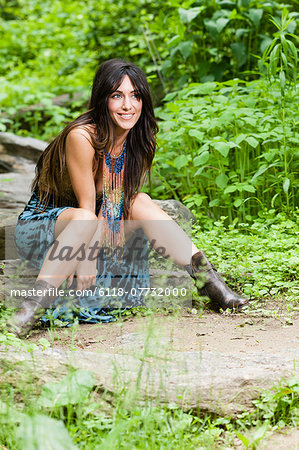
(203, 381)
(5, 166)
(15, 193)
(176, 210)
(22, 146)
(15, 186)
(172, 287)
(12, 163)
(7, 221)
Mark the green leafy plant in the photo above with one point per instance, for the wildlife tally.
(52, 50)
(223, 149)
(252, 442)
(281, 59)
(211, 41)
(40, 431)
(71, 390)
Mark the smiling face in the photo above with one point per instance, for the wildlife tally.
(125, 106)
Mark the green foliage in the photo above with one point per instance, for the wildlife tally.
(275, 409)
(227, 147)
(280, 57)
(257, 258)
(40, 431)
(280, 405)
(259, 433)
(69, 391)
(53, 48)
(129, 425)
(211, 40)
(281, 60)
(224, 147)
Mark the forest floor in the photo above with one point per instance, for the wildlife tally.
(269, 330)
(265, 329)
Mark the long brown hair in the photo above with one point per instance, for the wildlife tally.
(141, 139)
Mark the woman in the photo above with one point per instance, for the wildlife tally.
(87, 182)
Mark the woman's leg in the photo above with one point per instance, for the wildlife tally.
(162, 230)
(75, 228)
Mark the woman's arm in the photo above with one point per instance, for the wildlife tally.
(79, 160)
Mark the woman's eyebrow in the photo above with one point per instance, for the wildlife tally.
(121, 92)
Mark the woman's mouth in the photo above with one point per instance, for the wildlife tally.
(126, 116)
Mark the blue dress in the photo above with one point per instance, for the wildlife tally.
(119, 283)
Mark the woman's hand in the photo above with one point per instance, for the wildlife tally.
(86, 275)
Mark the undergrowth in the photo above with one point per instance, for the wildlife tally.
(74, 412)
(258, 257)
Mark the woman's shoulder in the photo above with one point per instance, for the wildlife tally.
(85, 131)
(82, 137)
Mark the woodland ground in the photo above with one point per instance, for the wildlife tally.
(268, 329)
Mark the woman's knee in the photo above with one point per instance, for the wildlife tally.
(141, 200)
(77, 214)
(68, 216)
(141, 203)
(144, 208)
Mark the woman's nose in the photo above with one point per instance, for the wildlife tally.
(126, 102)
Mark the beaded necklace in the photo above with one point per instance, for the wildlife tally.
(113, 198)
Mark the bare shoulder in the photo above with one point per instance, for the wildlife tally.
(79, 139)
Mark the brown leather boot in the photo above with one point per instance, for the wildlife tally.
(32, 309)
(210, 284)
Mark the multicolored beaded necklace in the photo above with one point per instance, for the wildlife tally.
(113, 198)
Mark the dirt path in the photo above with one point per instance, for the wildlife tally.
(284, 439)
(182, 332)
(287, 439)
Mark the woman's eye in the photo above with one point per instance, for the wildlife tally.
(115, 96)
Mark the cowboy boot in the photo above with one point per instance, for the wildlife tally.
(32, 309)
(210, 284)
